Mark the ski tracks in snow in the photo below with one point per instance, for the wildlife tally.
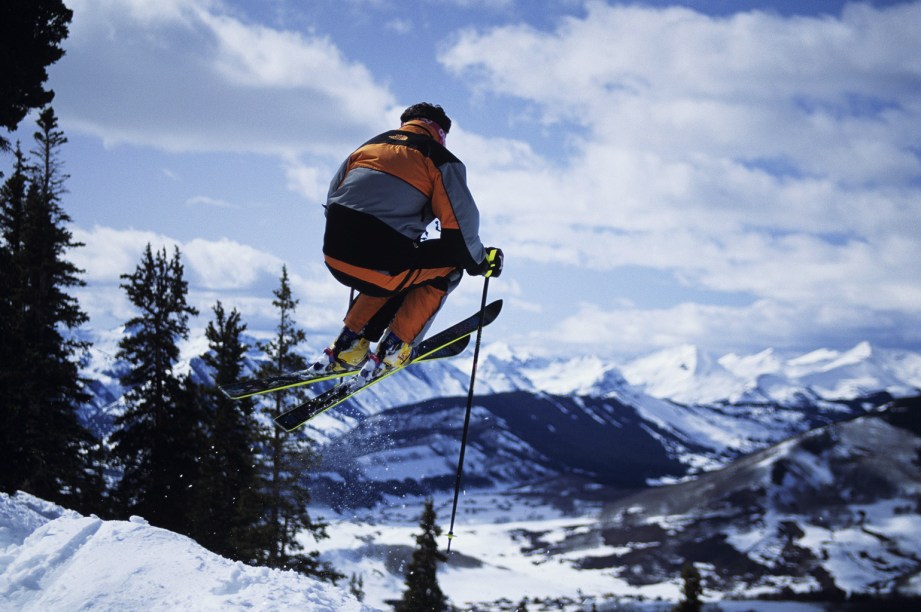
(55, 559)
(49, 549)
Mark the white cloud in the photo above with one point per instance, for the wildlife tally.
(718, 328)
(225, 264)
(107, 305)
(399, 26)
(108, 253)
(239, 275)
(208, 201)
(758, 154)
(309, 180)
(187, 76)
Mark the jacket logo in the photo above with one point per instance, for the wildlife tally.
(398, 137)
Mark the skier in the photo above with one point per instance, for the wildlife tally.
(379, 206)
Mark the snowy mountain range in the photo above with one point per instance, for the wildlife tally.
(586, 424)
(773, 471)
(833, 511)
(585, 420)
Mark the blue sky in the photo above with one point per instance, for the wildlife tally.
(731, 174)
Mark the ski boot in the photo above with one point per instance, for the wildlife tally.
(391, 353)
(348, 352)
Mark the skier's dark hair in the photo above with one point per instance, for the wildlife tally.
(432, 112)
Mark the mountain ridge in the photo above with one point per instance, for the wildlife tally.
(833, 511)
(528, 407)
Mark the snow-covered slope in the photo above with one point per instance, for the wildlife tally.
(832, 511)
(56, 559)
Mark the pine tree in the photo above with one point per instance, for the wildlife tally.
(158, 440)
(289, 458)
(357, 586)
(45, 448)
(691, 591)
(229, 509)
(14, 452)
(31, 32)
(422, 591)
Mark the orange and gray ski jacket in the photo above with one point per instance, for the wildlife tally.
(386, 194)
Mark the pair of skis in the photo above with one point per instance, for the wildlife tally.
(447, 343)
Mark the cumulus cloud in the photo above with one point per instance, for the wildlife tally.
(226, 264)
(242, 87)
(108, 253)
(722, 328)
(239, 275)
(771, 156)
(309, 180)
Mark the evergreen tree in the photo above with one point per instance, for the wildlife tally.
(691, 591)
(289, 458)
(422, 591)
(357, 586)
(158, 439)
(44, 448)
(229, 509)
(13, 446)
(31, 32)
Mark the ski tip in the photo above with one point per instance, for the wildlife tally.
(231, 393)
(491, 312)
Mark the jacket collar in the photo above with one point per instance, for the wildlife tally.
(424, 126)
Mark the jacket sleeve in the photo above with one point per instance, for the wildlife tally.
(453, 205)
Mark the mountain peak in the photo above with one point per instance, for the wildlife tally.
(861, 352)
(685, 374)
(752, 366)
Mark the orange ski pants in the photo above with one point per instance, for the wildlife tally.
(416, 296)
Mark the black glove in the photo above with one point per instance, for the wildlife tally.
(491, 266)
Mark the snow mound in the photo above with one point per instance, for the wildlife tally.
(56, 559)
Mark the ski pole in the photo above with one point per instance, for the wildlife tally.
(463, 448)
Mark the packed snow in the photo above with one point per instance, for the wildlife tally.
(55, 559)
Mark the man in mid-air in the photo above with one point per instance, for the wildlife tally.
(379, 206)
